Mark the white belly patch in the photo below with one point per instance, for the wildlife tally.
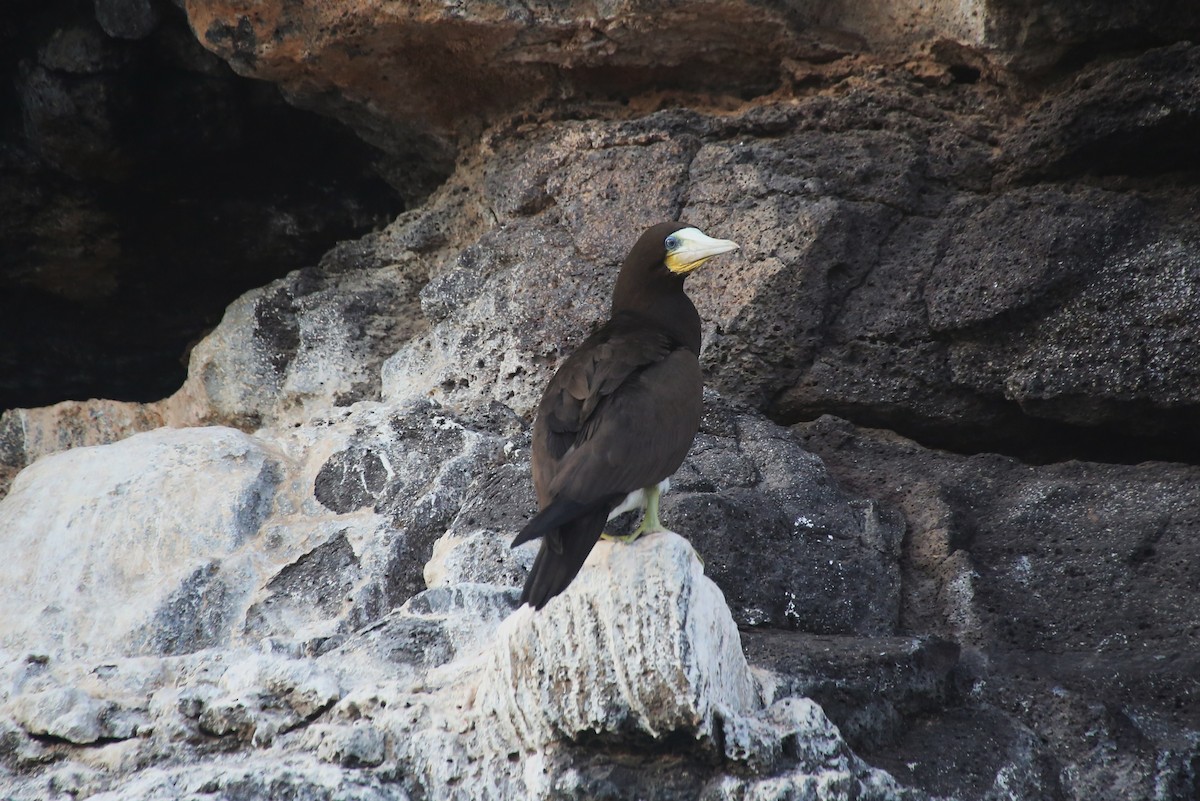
(637, 499)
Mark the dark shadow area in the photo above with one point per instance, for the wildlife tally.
(143, 187)
(1166, 435)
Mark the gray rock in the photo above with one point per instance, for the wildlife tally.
(1068, 582)
(439, 696)
(1145, 99)
(413, 467)
(879, 276)
(126, 19)
(789, 548)
(263, 697)
(130, 556)
(975, 752)
(72, 715)
(256, 779)
(902, 275)
(359, 745)
(303, 343)
(872, 688)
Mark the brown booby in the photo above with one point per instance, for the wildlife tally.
(619, 416)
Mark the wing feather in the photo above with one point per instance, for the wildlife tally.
(567, 414)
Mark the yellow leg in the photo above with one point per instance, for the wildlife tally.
(650, 522)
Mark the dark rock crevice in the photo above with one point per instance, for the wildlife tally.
(145, 186)
(1167, 435)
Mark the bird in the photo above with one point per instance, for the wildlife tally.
(619, 416)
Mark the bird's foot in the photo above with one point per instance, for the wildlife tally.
(644, 528)
(650, 523)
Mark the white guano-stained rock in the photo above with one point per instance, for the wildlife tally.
(641, 650)
(641, 642)
(256, 779)
(127, 559)
(69, 714)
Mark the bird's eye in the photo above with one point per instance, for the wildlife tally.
(672, 242)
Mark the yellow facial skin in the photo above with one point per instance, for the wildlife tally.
(688, 248)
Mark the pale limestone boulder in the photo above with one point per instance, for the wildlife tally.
(132, 547)
(640, 642)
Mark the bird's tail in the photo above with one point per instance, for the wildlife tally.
(568, 536)
(547, 523)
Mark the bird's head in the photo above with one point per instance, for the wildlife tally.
(651, 279)
(653, 272)
(687, 248)
(673, 248)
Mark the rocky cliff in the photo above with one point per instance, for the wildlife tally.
(937, 537)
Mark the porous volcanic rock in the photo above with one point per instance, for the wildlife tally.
(878, 278)
(441, 73)
(1073, 587)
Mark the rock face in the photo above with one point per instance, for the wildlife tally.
(1074, 581)
(936, 535)
(673, 662)
(122, 542)
(432, 698)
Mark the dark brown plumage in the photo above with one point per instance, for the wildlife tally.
(620, 414)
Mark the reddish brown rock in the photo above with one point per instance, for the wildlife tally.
(429, 76)
(28, 434)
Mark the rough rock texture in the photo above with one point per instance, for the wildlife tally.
(640, 655)
(445, 70)
(877, 282)
(963, 226)
(284, 352)
(139, 540)
(1076, 584)
(789, 548)
(674, 660)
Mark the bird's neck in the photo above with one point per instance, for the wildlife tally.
(672, 311)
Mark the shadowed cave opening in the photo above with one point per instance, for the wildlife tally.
(143, 187)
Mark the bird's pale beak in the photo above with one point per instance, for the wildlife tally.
(694, 249)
